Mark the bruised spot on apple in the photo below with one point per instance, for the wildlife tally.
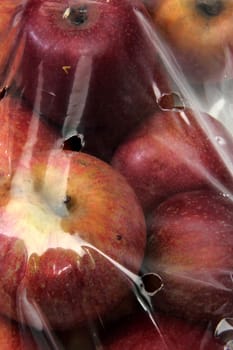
(80, 237)
(176, 151)
(190, 246)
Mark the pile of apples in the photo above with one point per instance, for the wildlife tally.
(116, 214)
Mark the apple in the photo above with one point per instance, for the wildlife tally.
(90, 67)
(176, 151)
(190, 247)
(199, 34)
(72, 240)
(163, 333)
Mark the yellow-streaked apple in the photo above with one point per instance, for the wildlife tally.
(199, 33)
(72, 237)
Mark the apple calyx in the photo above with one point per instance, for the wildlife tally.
(210, 8)
(76, 15)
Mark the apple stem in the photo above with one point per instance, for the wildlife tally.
(76, 15)
(210, 7)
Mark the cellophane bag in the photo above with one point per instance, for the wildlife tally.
(116, 174)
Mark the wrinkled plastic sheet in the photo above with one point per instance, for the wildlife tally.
(116, 214)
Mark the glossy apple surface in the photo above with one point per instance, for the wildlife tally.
(89, 66)
(11, 12)
(199, 33)
(167, 333)
(72, 240)
(190, 247)
(176, 151)
(22, 135)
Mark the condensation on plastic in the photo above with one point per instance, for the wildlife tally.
(83, 264)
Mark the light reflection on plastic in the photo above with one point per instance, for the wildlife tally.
(78, 96)
(224, 333)
(30, 313)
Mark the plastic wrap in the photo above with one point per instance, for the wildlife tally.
(116, 174)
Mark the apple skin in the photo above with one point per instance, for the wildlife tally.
(176, 151)
(14, 337)
(140, 333)
(95, 77)
(11, 13)
(75, 237)
(190, 247)
(199, 33)
(22, 134)
(79, 338)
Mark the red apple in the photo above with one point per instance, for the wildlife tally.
(164, 333)
(90, 67)
(190, 246)
(72, 240)
(199, 33)
(176, 151)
